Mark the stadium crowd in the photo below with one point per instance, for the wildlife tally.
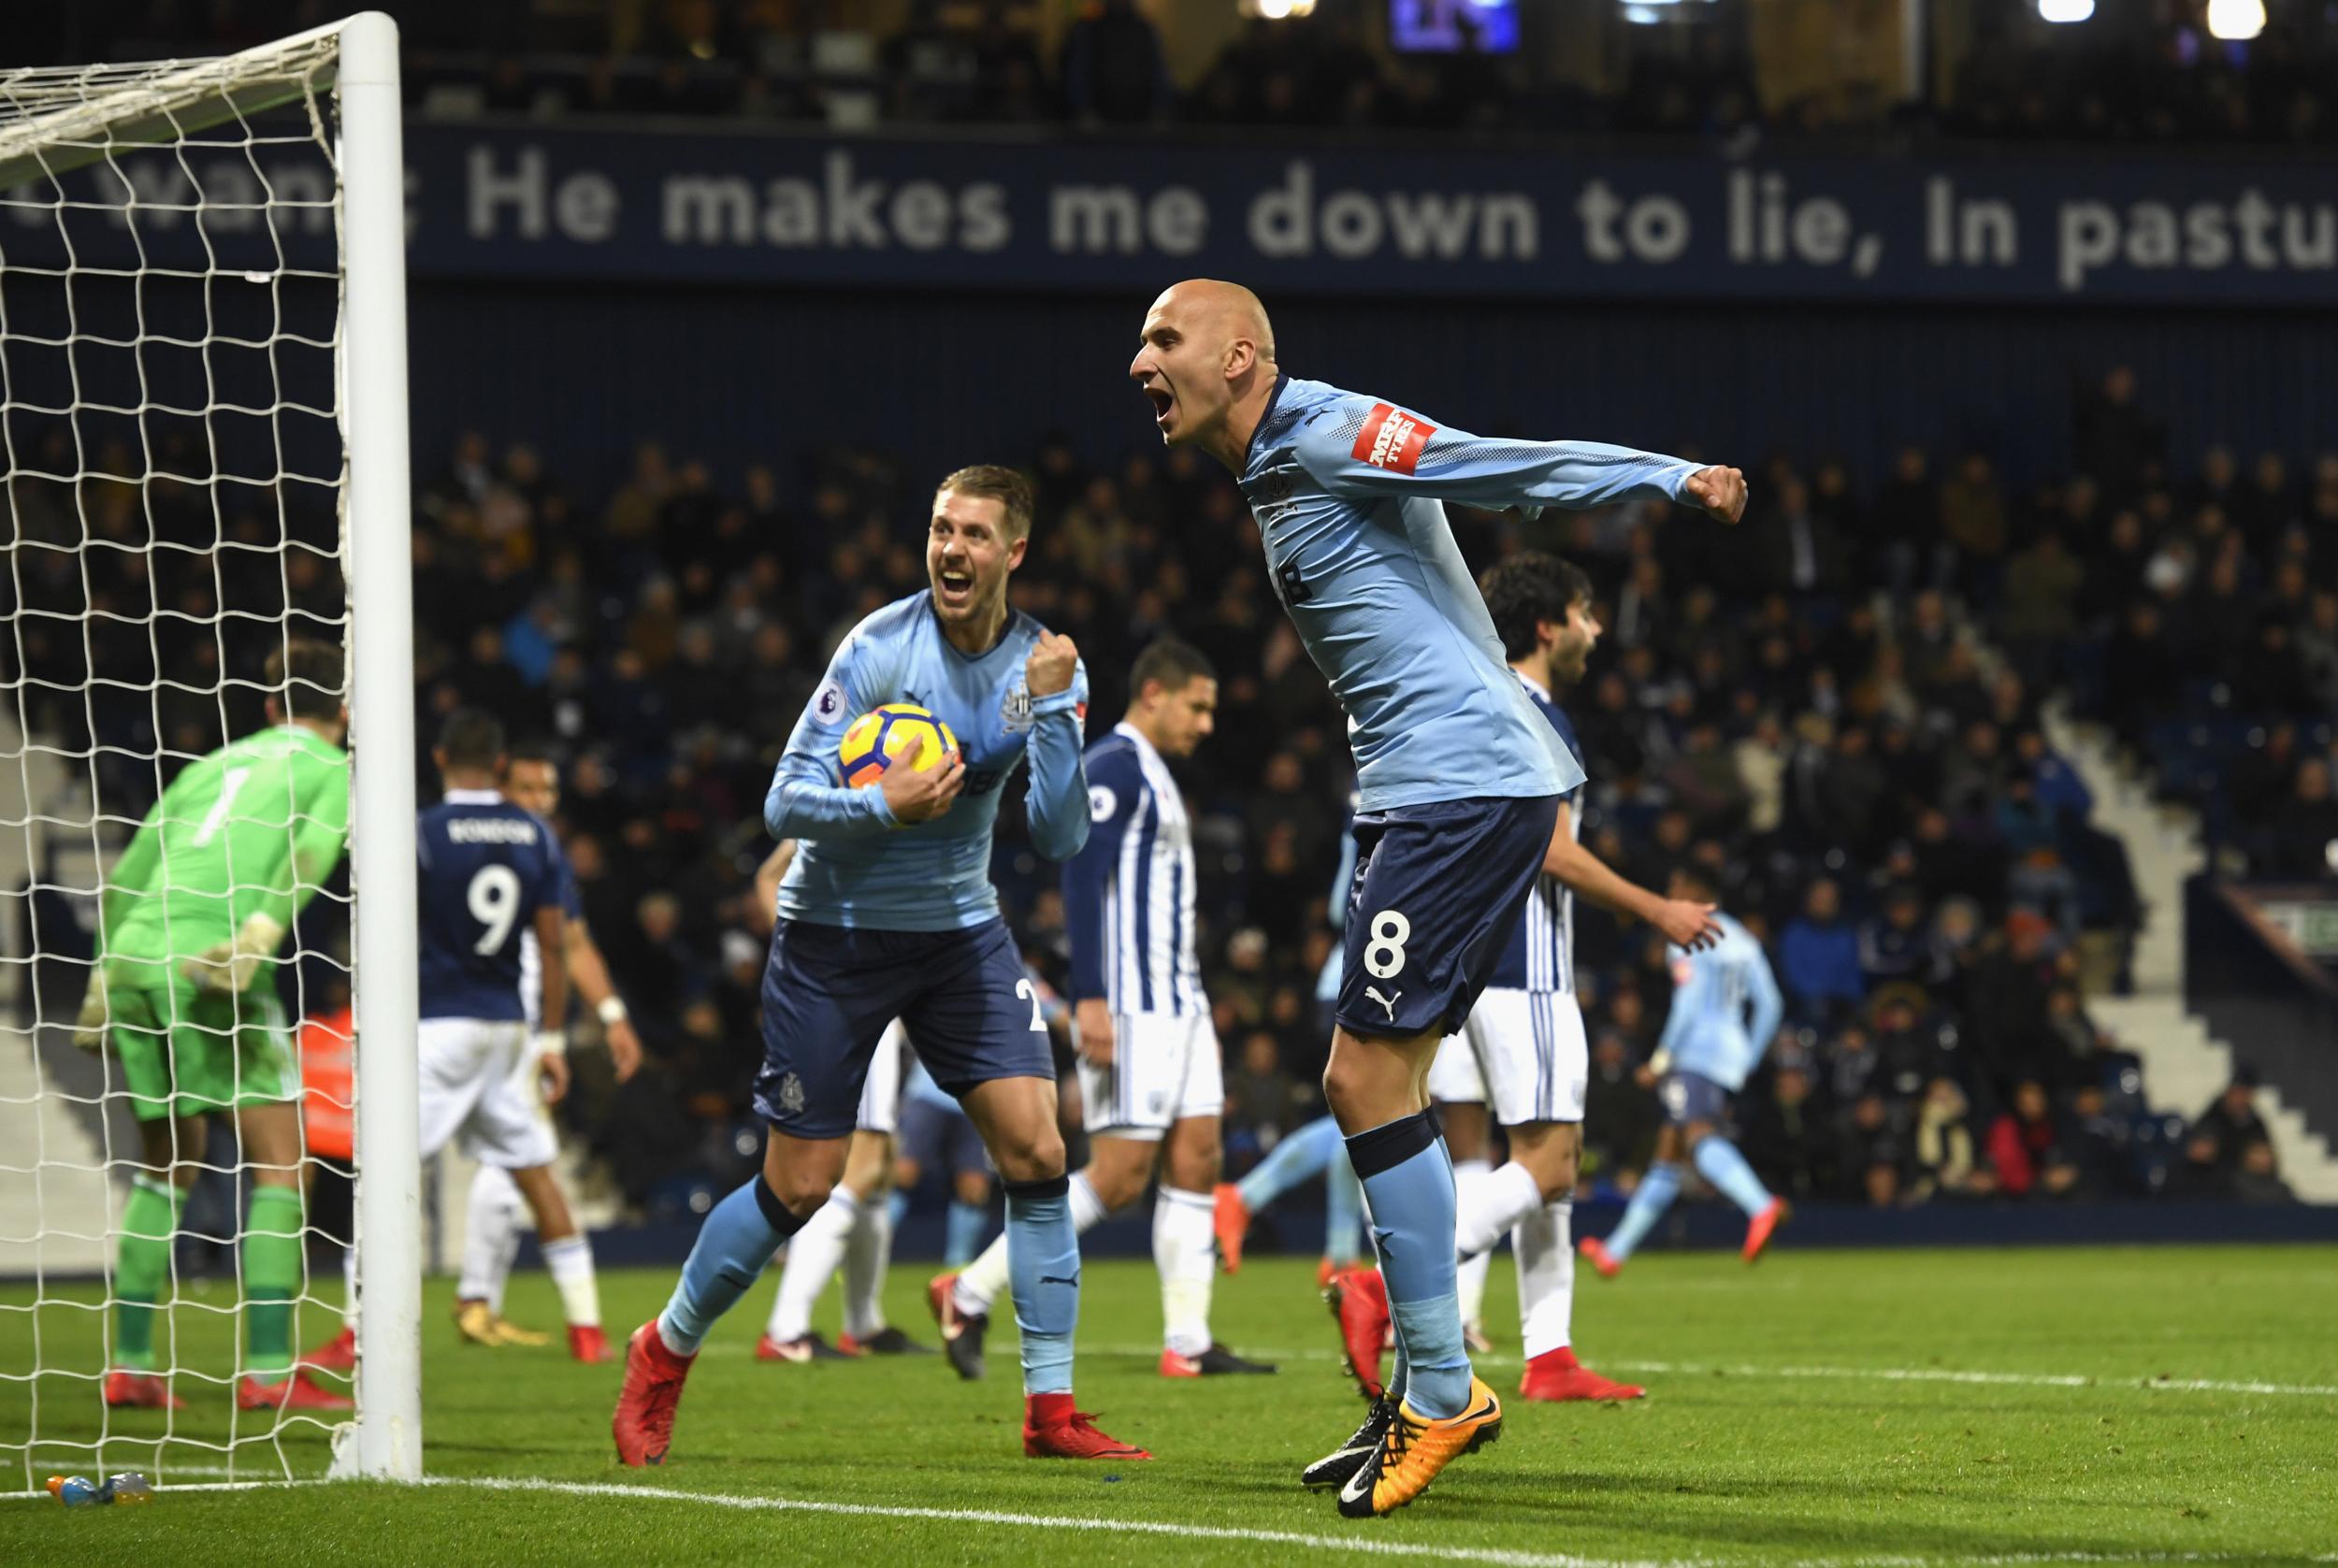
(1836, 705)
(2125, 79)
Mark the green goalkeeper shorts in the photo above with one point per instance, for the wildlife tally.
(184, 1052)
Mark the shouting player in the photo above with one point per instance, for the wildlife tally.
(185, 992)
(1726, 1009)
(888, 912)
(1460, 776)
(1151, 1082)
(1523, 1051)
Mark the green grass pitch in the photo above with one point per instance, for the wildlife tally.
(1839, 1409)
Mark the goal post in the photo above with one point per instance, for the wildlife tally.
(203, 458)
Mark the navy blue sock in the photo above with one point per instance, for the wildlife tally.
(1043, 1262)
(737, 1240)
(1409, 1180)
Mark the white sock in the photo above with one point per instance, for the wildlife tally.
(1545, 1246)
(491, 1238)
(570, 1260)
(868, 1253)
(984, 1280)
(1470, 1284)
(813, 1255)
(348, 1286)
(1489, 1203)
(1184, 1251)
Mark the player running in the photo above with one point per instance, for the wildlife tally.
(184, 989)
(1726, 1009)
(887, 913)
(1151, 1082)
(1460, 775)
(1523, 1051)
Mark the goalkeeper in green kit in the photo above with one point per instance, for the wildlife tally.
(184, 992)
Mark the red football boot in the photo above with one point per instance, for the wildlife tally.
(1324, 1271)
(1358, 1297)
(139, 1390)
(338, 1354)
(654, 1375)
(1594, 1252)
(1759, 1229)
(299, 1391)
(588, 1343)
(1052, 1430)
(1231, 1220)
(1555, 1376)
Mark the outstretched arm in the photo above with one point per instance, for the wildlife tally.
(1684, 923)
(1397, 452)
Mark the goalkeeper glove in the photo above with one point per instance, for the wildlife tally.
(229, 967)
(88, 1029)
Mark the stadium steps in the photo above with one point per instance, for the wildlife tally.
(2185, 1067)
(52, 1156)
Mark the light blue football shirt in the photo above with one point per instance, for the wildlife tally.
(856, 867)
(1726, 1007)
(1349, 493)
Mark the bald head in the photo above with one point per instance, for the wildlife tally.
(1208, 364)
(1221, 311)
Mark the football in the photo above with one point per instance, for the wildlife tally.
(898, 731)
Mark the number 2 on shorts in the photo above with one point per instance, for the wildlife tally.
(1023, 988)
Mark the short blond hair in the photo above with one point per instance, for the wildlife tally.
(990, 482)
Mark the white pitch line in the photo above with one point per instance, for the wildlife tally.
(1358, 1542)
(1877, 1374)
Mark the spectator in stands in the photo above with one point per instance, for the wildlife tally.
(1789, 1144)
(1819, 956)
(2025, 1149)
(1874, 1163)
(1114, 68)
(2303, 841)
(1945, 1161)
(2257, 1179)
(2231, 1124)
(1895, 944)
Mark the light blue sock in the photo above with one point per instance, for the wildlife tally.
(962, 1236)
(1292, 1162)
(1042, 1263)
(1650, 1199)
(1719, 1162)
(1342, 1211)
(1408, 1180)
(737, 1240)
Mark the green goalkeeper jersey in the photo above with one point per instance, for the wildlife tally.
(254, 828)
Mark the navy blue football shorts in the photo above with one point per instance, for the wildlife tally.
(829, 991)
(1439, 888)
(1692, 1096)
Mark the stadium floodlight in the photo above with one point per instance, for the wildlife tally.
(2236, 21)
(1282, 11)
(203, 441)
(2066, 11)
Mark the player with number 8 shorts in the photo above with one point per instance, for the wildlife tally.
(888, 911)
(1460, 778)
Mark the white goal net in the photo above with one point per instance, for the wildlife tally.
(201, 452)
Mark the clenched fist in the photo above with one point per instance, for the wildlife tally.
(1048, 670)
(1720, 491)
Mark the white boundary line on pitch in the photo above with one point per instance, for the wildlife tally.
(1358, 1542)
(1875, 1375)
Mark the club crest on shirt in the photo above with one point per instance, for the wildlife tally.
(1014, 712)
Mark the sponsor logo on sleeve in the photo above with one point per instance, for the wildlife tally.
(1391, 438)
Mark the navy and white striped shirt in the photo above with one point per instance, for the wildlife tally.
(1541, 955)
(1128, 895)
